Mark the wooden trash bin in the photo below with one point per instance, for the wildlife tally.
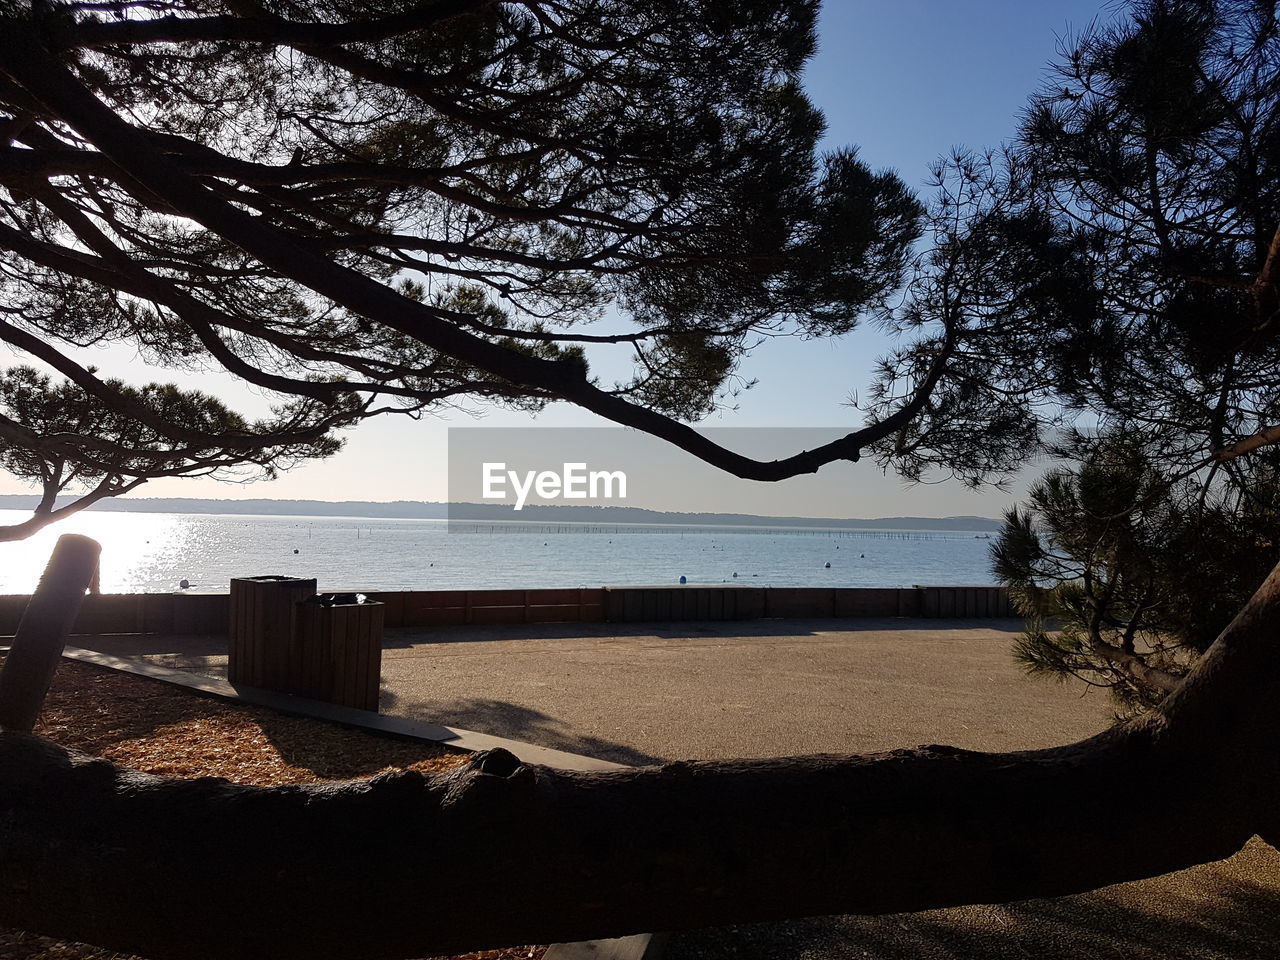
(261, 615)
(336, 653)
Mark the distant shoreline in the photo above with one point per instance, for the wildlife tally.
(430, 510)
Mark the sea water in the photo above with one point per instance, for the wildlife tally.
(153, 552)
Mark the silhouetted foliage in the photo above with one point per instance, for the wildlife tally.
(1108, 288)
(81, 439)
(1115, 260)
(1126, 575)
(401, 206)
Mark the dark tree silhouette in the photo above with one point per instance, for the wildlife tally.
(1119, 260)
(1124, 572)
(405, 204)
(387, 209)
(80, 439)
(1109, 283)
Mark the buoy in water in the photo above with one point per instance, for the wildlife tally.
(735, 573)
(184, 584)
(683, 578)
(295, 549)
(828, 564)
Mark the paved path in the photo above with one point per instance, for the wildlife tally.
(636, 693)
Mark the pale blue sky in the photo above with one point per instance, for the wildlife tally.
(905, 80)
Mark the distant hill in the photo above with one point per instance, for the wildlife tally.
(429, 510)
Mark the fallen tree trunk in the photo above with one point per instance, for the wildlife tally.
(502, 853)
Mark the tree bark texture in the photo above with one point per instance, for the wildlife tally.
(37, 646)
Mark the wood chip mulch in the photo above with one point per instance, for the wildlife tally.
(162, 729)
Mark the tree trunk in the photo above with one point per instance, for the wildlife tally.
(502, 853)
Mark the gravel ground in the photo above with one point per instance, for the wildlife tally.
(165, 730)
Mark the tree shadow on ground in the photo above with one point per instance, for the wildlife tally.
(101, 711)
(1205, 913)
(500, 718)
(346, 752)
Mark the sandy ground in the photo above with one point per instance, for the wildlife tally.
(637, 693)
(640, 693)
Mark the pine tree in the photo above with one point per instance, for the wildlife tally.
(1106, 288)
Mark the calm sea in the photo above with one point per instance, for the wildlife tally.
(152, 552)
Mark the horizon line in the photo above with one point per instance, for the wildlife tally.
(107, 504)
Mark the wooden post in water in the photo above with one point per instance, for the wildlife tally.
(42, 633)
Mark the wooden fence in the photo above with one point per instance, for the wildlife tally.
(135, 613)
(429, 608)
(185, 613)
(965, 602)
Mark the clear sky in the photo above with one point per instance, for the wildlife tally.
(905, 80)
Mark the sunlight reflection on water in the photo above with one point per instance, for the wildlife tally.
(152, 552)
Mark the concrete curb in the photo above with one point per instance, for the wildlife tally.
(642, 946)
